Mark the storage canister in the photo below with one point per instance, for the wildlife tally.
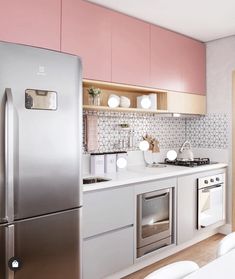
(97, 163)
(110, 160)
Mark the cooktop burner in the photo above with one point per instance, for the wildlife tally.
(186, 163)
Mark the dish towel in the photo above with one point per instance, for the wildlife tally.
(91, 132)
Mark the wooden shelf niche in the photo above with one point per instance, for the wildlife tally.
(167, 102)
(131, 92)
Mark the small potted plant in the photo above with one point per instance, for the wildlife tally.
(94, 96)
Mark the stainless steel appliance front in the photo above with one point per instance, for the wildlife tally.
(47, 246)
(40, 162)
(43, 145)
(154, 226)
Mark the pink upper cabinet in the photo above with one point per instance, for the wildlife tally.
(30, 22)
(193, 66)
(86, 32)
(177, 62)
(165, 59)
(130, 50)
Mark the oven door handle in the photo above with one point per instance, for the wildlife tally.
(206, 189)
(156, 196)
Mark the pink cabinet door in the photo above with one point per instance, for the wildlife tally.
(130, 50)
(193, 66)
(30, 22)
(177, 62)
(165, 59)
(86, 31)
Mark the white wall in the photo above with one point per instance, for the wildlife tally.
(220, 65)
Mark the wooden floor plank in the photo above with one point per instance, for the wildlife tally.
(201, 253)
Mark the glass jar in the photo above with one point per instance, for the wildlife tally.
(94, 100)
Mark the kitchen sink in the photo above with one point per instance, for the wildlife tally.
(91, 180)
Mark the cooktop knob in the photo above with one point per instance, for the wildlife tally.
(212, 180)
(206, 181)
(217, 179)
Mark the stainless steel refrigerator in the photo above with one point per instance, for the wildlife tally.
(40, 163)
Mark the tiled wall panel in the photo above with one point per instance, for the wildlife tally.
(209, 131)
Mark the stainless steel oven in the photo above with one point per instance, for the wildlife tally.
(154, 224)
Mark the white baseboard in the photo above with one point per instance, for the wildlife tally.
(155, 258)
(226, 229)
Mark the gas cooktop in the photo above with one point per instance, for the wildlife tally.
(186, 163)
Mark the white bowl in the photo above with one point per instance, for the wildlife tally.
(113, 101)
(125, 102)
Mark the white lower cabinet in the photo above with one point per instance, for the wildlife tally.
(186, 208)
(109, 219)
(108, 236)
(108, 253)
(108, 209)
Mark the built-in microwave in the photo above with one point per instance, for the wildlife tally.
(154, 220)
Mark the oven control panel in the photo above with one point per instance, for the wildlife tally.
(211, 180)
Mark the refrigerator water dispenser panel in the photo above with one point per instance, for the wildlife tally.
(40, 99)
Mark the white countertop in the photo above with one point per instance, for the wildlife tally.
(137, 174)
(220, 268)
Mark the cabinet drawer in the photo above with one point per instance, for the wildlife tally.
(108, 253)
(107, 210)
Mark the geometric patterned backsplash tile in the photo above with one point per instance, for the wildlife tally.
(204, 131)
(210, 131)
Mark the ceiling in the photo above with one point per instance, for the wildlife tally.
(205, 20)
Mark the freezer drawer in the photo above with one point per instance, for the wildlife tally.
(2, 253)
(48, 247)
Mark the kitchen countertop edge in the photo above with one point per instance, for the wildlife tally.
(138, 174)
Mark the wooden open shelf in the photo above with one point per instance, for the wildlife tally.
(167, 102)
(131, 92)
(119, 109)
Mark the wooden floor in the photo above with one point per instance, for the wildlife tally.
(201, 253)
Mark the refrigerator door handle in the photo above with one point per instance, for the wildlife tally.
(10, 251)
(9, 155)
